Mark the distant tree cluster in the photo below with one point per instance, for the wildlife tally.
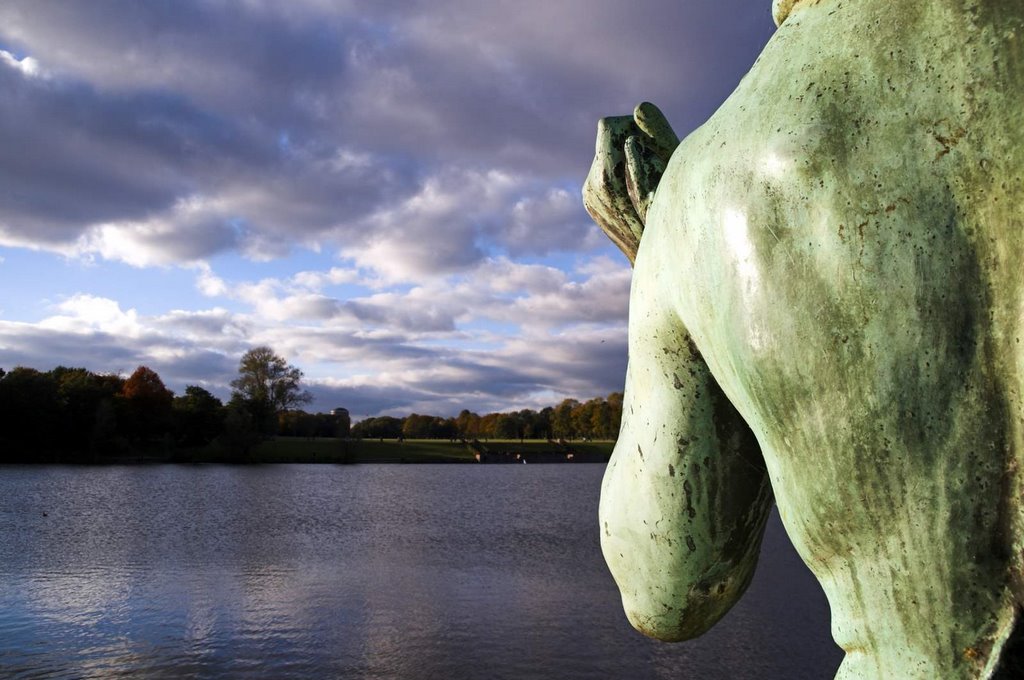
(73, 414)
(594, 419)
(302, 424)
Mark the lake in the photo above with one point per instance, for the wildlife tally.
(385, 571)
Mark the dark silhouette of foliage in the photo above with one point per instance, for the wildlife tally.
(29, 411)
(241, 433)
(74, 415)
(198, 417)
(416, 426)
(597, 418)
(381, 427)
(302, 424)
(87, 401)
(147, 405)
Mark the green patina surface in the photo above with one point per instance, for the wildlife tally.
(827, 307)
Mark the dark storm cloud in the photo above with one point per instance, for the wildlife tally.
(523, 83)
(69, 157)
(43, 348)
(174, 180)
(226, 56)
(368, 400)
(25, 345)
(295, 121)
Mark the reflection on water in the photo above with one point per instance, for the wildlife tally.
(353, 572)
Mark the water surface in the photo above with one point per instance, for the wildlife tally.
(404, 572)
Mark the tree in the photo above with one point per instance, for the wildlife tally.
(468, 424)
(198, 416)
(381, 426)
(240, 434)
(415, 426)
(562, 420)
(29, 415)
(600, 419)
(506, 427)
(298, 423)
(268, 384)
(542, 425)
(148, 404)
(615, 413)
(85, 396)
(488, 425)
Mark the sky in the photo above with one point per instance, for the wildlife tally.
(386, 192)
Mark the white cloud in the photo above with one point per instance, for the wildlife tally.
(195, 227)
(497, 289)
(83, 313)
(503, 275)
(440, 229)
(209, 284)
(378, 354)
(317, 280)
(28, 66)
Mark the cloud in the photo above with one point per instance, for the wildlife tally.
(178, 363)
(217, 327)
(148, 178)
(192, 230)
(171, 133)
(529, 373)
(446, 226)
(496, 289)
(549, 221)
(28, 66)
(314, 280)
(604, 297)
(427, 347)
(409, 313)
(88, 313)
(433, 149)
(209, 284)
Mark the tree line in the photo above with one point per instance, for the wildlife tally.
(571, 419)
(76, 415)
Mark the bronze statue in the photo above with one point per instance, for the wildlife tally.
(828, 310)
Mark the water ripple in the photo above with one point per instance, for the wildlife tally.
(391, 572)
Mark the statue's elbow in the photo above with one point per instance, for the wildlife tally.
(684, 616)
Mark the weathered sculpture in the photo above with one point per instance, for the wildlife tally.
(828, 308)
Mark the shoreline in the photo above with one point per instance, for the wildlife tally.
(283, 450)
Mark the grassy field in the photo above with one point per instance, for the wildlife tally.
(324, 450)
(602, 448)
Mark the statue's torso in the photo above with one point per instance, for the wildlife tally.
(844, 241)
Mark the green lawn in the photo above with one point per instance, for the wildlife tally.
(326, 450)
(411, 451)
(602, 447)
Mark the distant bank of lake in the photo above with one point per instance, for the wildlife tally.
(403, 572)
(343, 451)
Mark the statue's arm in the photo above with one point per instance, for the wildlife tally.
(685, 495)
